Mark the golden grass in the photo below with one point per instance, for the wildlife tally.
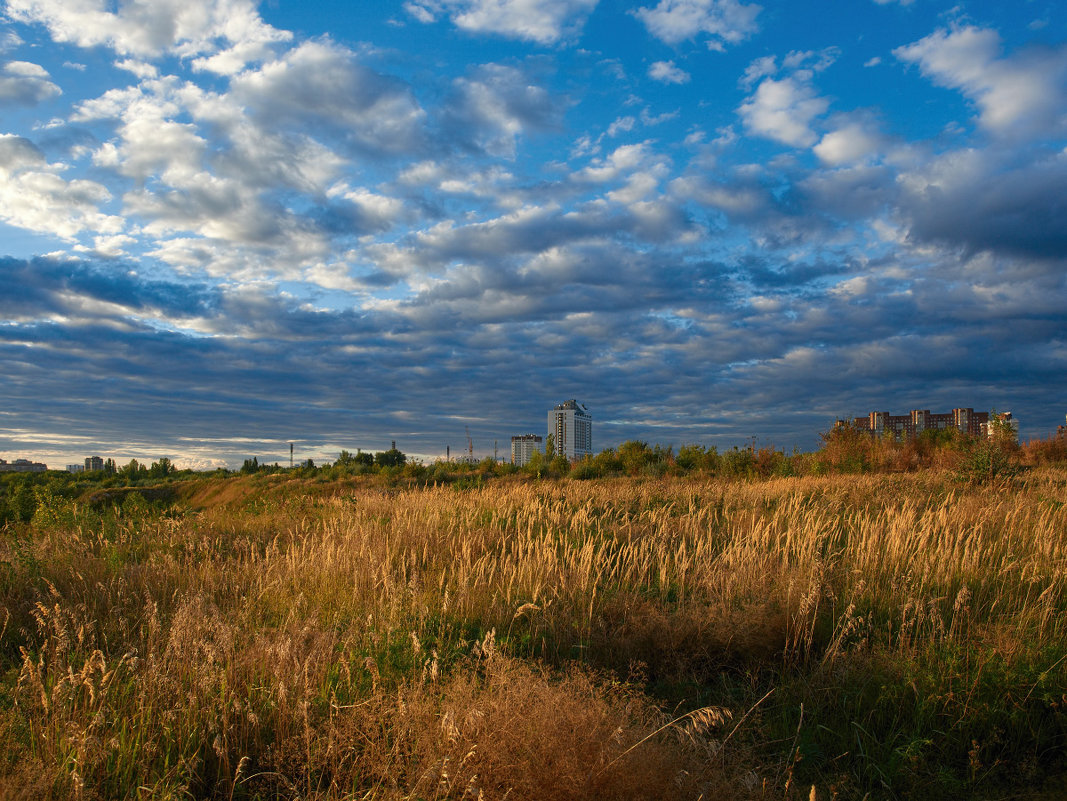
(428, 643)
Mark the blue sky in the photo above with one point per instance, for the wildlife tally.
(227, 226)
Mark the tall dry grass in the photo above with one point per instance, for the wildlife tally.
(514, 640)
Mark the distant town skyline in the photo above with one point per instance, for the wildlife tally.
(228, 226)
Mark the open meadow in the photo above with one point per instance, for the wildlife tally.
(881, 636)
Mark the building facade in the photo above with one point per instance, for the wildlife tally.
(909, 426)
(94, 463)
(571, 426)
(22, 466)
(523, 448)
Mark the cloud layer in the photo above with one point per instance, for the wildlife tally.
(225, 236)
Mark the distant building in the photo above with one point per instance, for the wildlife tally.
(22, 466)
(75, 468)
(94, 463)
(909, 426)
(1006, 421)
(523, 448)
(571, 426)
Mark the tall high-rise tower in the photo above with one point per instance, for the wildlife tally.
(571, 426)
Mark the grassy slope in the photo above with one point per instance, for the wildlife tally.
(264, 637)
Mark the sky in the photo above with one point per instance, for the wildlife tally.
(227, 226)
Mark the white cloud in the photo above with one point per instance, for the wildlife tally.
(783, 110)
(762, 67)
(141, 69)
(673, 21)
(620, 125)
(543, 21)
(9, 40)
(666, 72)
(35, 197)
(1027, 93)
(151, 28)
(848, 144)
(25, 84)
(622, 160)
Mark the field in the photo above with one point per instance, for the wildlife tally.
(892, 636)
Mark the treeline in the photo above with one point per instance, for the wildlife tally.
(843, 450)
(22, 495)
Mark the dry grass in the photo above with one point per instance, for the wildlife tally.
(369, 643)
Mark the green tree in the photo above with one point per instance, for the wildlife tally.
(161, 469)
(995, 456)
(133, 469)
(390, 458)
(550, 447)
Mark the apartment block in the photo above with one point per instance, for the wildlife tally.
(523, 448)
(908, 426)
(571, 426)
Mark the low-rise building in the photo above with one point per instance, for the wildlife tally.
(22, 466)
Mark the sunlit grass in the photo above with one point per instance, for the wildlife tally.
(874, 634)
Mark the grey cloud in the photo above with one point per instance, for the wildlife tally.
(495, 106)
(25, 84)
(971, 200)
(321, 88)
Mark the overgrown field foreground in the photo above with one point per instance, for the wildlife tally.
(900, 636)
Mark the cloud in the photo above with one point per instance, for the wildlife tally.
(320, 87)
(152, 29)
(543, 21)
(783, 110)
(495, 106)
(979, 201)
(851, 142)
(674, 21)
(1026, 93)
(34, 196)
(25, 84)
(666, 72)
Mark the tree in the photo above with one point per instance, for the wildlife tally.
(994, 456)
(250, 465)
(162, 468)
(390, 458)
(133, 469)
(550, 447)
